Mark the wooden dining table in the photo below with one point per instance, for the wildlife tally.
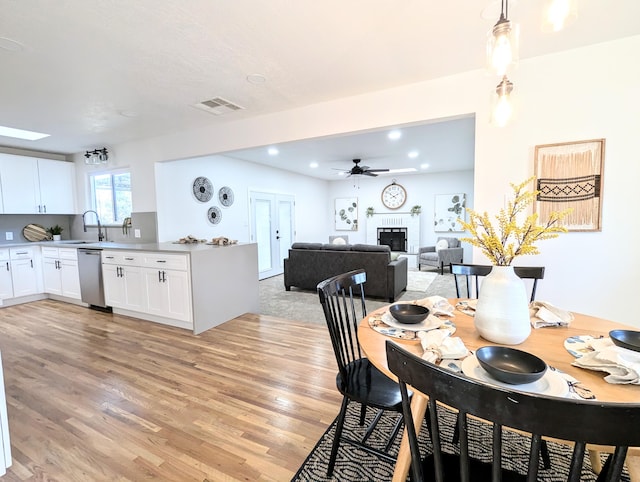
(546, 343)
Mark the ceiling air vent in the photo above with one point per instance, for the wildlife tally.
(218, 106)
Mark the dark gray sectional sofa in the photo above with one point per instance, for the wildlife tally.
(310, 263)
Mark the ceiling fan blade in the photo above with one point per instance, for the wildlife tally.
(364, 168)
(370, 173)
(378, 170)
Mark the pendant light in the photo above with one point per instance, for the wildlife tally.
(558, 13)
(501, 109)
(502, 42)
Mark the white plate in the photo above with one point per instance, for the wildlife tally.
(431, 322)
(551, 384)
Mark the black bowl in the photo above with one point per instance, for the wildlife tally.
(626, 339)
(408, 313)
(509, 365)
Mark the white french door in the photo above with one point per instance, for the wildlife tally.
(272, 228)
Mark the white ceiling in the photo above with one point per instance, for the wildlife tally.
(101, 72)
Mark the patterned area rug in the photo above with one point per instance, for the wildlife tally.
(420, 280)
(353, 464)
(302, 305)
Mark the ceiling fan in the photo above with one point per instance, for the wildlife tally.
(357, 169)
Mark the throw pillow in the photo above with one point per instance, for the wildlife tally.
(442, 244)
(339, 241)
(394, 256)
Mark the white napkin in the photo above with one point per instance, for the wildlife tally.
(438, 344)
(543, 313)
(468, 307)
(437, 305)
(623, 365)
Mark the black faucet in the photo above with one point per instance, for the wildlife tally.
(84, 224)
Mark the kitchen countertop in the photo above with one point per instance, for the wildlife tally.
(161, 247)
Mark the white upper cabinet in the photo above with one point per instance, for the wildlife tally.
(57, 186)
(40, 186)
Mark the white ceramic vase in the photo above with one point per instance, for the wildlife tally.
(57, 237)
(502, 312)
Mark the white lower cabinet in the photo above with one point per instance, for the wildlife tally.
(6, 285)
(150, 283)
(24, 273)
(60, 272)
(168, 293)
(123, 287)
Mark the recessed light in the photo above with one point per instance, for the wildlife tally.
(273, 151)
(313, 165)
(256, 79)
(424, 166)
(413, 154)
(394, 135)
(21, 134)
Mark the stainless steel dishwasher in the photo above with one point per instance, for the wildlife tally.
(91, 284)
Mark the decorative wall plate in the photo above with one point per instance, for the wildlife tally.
(202, 189)
(35, 232)
(214, 215)
(225, 196)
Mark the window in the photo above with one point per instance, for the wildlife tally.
(111, 196)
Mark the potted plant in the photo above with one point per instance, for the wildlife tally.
(369, 211)
(502, 312)
(417, 209)
(55, 232)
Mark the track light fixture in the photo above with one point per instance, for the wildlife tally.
(96, 157)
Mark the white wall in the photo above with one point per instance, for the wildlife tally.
(421, 190)
(180, 214)
(580, 94)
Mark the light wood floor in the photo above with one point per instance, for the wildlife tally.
(94, 396)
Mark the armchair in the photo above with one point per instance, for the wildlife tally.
(445, 252)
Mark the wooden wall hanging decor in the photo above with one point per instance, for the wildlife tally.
(570, 175)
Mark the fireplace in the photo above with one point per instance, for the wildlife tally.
(395, 238)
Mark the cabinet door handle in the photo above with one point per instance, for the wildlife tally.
(44, 208)
(31, 263)
(109, 257)
(159, 276)
(7, 265)
(129, 259)
(22, 252)
(161, 260)
(164, 279)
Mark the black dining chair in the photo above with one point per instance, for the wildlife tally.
(575, 421)
(472, 272)
(343, 303)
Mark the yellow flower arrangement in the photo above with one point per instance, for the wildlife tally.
(502, 244)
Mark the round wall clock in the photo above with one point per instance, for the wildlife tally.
(202, 189)
(394, 196)
(225, 196)
(214, 215)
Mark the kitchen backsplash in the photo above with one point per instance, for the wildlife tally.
(144, 223)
